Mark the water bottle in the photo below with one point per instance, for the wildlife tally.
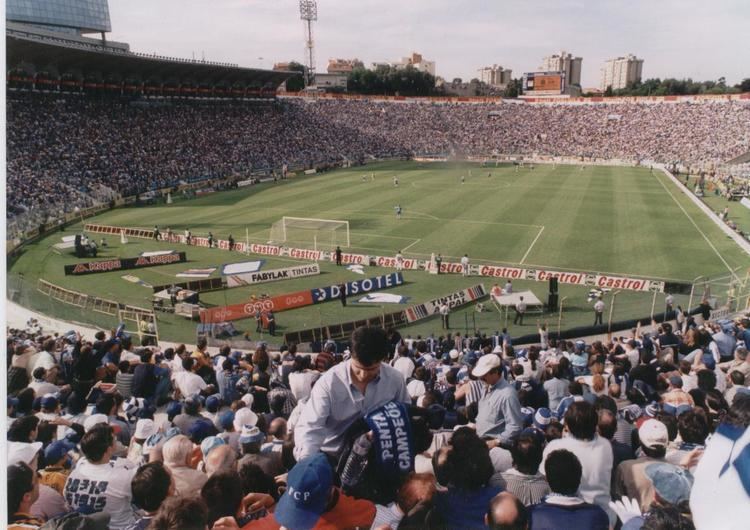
(356, 462)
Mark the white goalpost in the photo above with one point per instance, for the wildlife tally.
(306, 231)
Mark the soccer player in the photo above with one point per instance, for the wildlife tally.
(395, 181)
(463, 179)
(398, 210)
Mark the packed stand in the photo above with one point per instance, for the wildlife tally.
(648, 431)
(68, 152)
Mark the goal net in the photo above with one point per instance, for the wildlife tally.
(318, 234)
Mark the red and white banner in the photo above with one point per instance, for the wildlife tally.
(247, 310)
(493, 271)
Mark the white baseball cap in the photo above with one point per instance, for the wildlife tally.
(243, 417)
(248, 400)
(485, 364)
(453, 354)
(23, 452)
(653, 433)
(94, 419)
(144, 428)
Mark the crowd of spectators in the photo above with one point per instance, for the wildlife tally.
(647, 431)
(68, 152)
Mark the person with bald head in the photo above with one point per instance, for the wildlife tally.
(506, 512)
(277, 431)
(220, 458)
(177, 453)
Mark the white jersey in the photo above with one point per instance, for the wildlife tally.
(92, 488)
(189, 383)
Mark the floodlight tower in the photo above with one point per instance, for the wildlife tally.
(308, 11)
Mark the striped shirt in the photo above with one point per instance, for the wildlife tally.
(530, 489)
(124, 384)
(477, 389)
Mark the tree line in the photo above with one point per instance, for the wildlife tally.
(679, 87)
(388, 80)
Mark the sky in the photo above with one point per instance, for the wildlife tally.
(700, 39)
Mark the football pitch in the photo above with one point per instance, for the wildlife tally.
(611, 220)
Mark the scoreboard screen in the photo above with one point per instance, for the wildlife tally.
(544, 82)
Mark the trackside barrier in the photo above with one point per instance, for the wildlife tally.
(63, 295)
(199, 286)
(741, 242)
(100, 305)
(345, 329)
(630, 283)
(398, 318)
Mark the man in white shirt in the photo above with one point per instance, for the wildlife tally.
(444, 311)
(99, 484)
(188, 382)
(465, 265)
(45, 359)
(403, 363)
(508, 289)
(126, 354)
(347, 392)
(520, 311)
(669, 303)
(598, 311)
(593, 451)
(40, 385)
(399, 261)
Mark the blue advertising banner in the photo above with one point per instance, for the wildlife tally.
(333, 292)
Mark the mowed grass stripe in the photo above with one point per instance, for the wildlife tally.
(620, 223)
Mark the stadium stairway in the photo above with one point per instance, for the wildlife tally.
(742, 159)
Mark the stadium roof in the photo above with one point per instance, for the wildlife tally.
(70, 55)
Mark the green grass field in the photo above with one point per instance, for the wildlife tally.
(602, 219)
(737, 212)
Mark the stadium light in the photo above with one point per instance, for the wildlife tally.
(308, 12)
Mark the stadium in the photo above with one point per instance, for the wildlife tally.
(197, 219)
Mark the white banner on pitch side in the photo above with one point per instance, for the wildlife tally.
(237, 280)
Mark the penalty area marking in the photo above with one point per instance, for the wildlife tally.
(531, 246)
(407, 248)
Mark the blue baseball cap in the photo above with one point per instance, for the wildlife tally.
(226, 419)
(542, 418)
(671, 483)
(173, 409)
(200, 430)
(213, 403)
(49, 401)
(56, 450)
(309, 486)
(13, 402)
(251, 434)
(210, 443)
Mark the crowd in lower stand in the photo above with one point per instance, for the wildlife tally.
(646, 431)
(69, 151)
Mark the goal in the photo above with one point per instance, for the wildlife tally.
(323, 234)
